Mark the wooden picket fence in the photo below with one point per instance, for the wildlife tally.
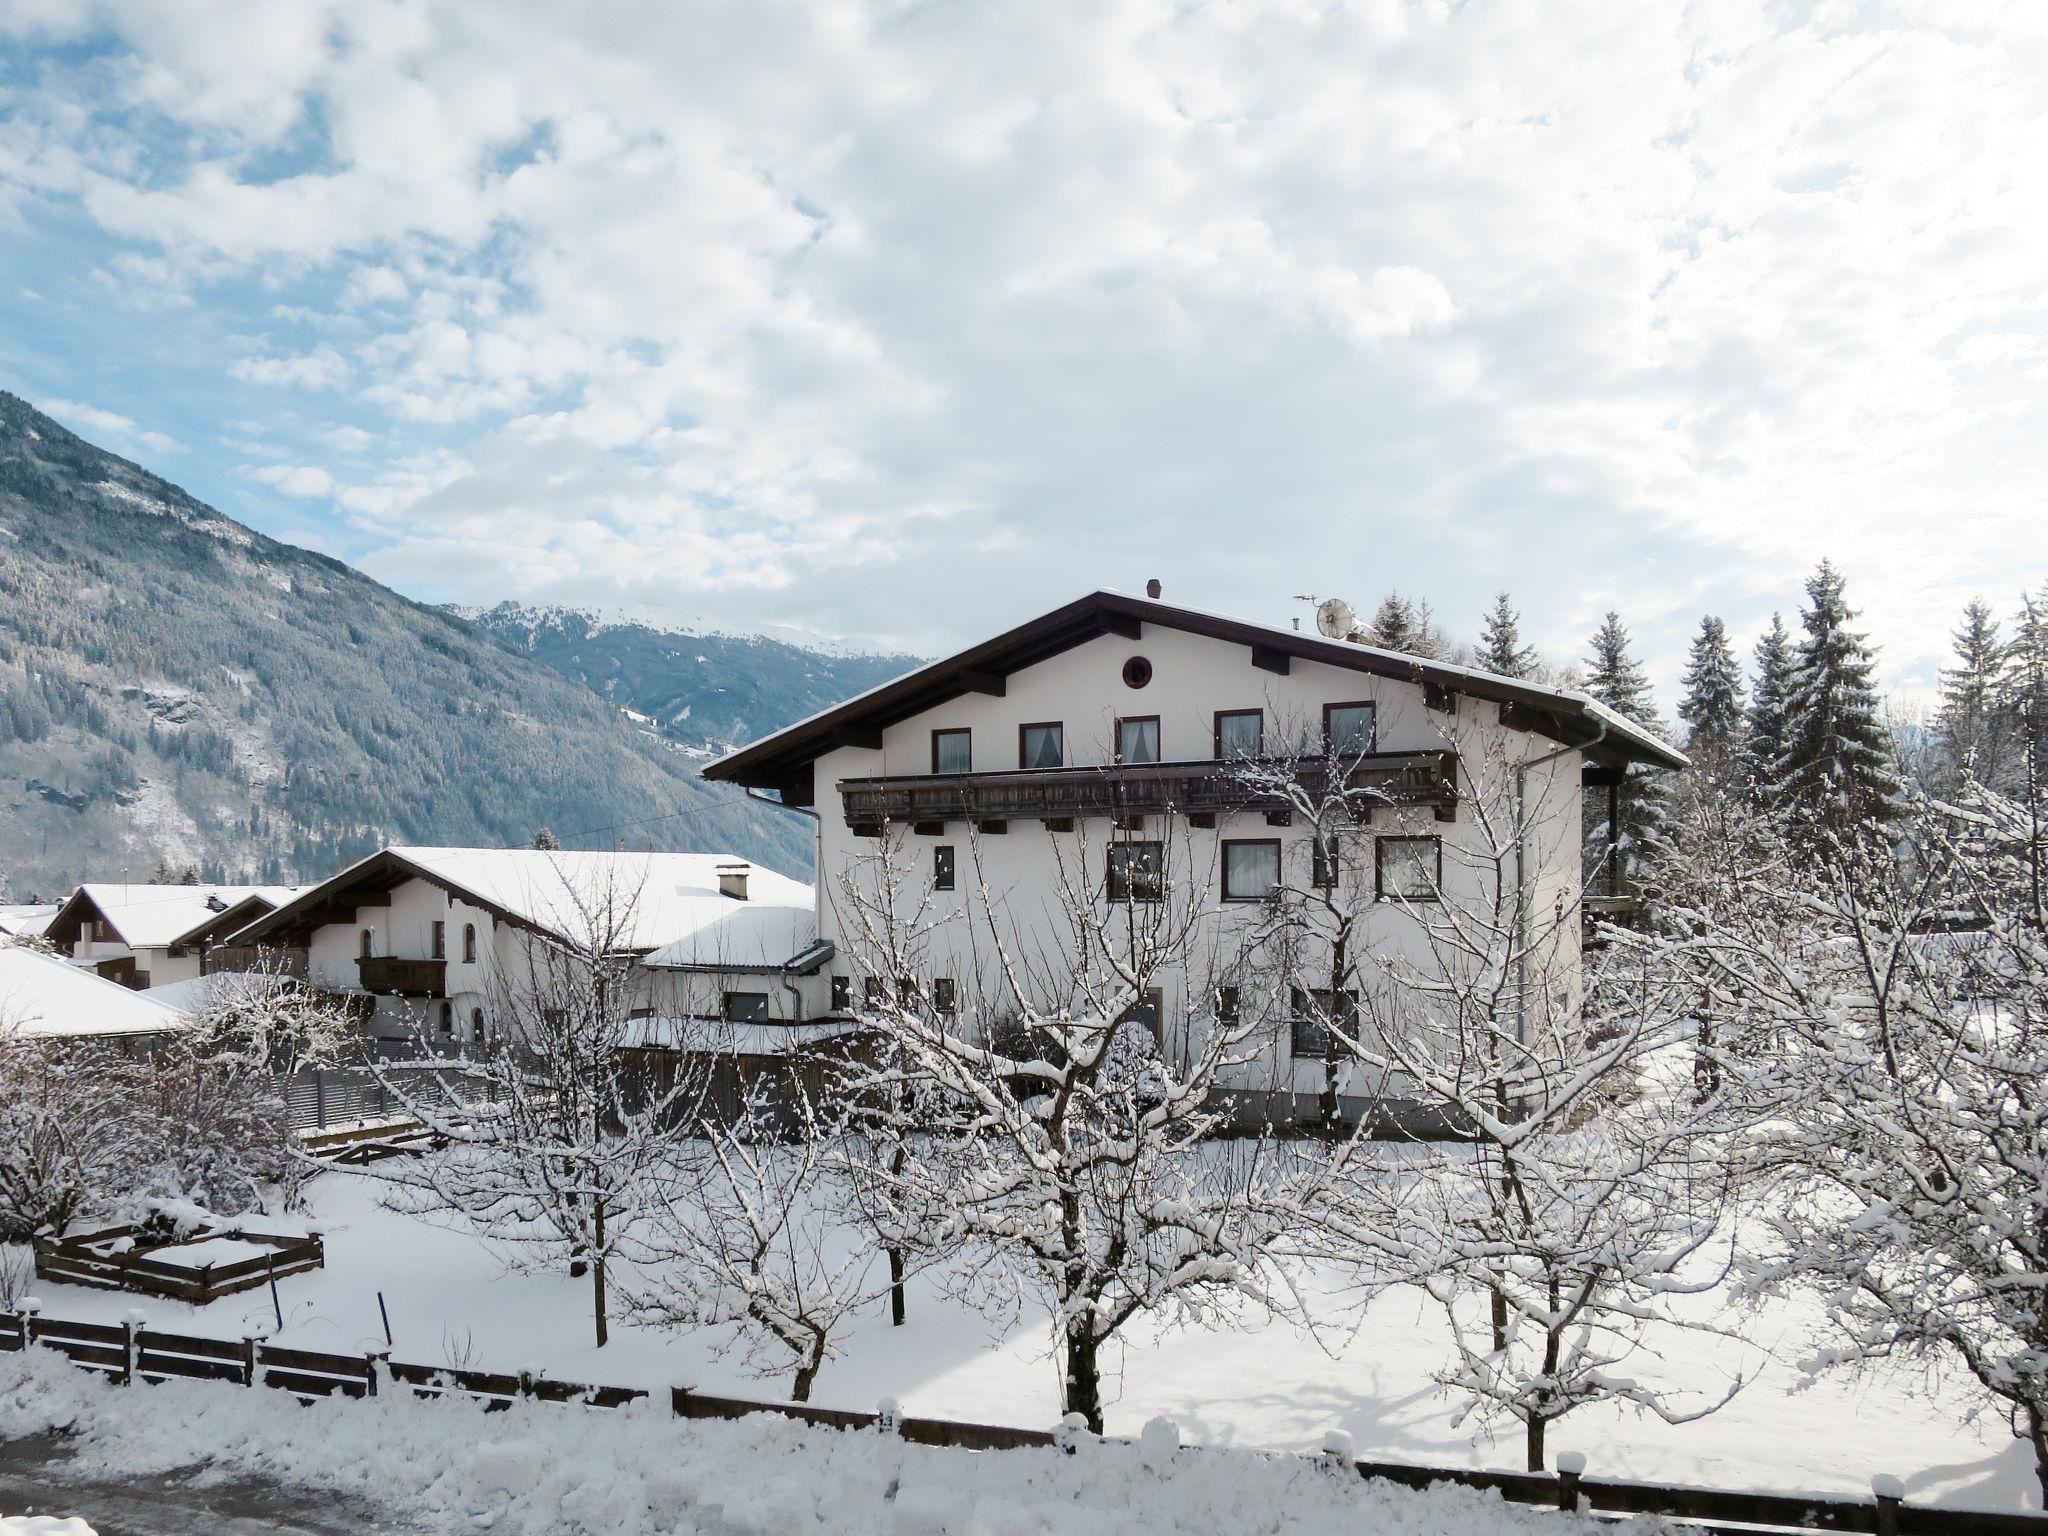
(131, 1353)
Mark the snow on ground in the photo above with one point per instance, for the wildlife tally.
(1270, 1388)
(633, 1470)
(43, 1525)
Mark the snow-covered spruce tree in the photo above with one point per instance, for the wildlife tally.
(1970, 726)
(555, 1129)
(1582, 1197)
(1393, 626)
(1836, 770)
(1712, 705)
(1500, 642)
(1907, 1158)
(1072, 1167)
(2023, 708)
(1618, 680)
(1764, 740)
(750, 1227)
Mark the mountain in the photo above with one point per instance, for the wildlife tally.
(176, 688)
(706, 692)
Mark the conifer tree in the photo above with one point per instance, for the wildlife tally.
(1970, 725)
(1765, 739)
(1393, 627)
(1618, 680)
(1500, 645)
(1712, 705)
(1837, 766)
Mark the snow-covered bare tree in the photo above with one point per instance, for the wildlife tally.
(1580, 1198)
(272, 1021)
(1073, 1165)
(70, 1137)
(555, 1129)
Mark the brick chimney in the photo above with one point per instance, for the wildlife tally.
(732, 881)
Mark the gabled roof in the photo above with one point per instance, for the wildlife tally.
(26, 920)
(233, 916)
(635, 901)
(782, 761)
(151, 916)
(46, 996)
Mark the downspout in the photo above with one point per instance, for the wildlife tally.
(1521, 876)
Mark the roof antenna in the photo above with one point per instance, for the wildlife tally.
(1153, 588)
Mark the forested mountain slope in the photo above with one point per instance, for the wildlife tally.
(707, 692)
(177, 687)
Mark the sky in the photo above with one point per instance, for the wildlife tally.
(898, 322)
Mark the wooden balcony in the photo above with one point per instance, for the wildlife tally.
(392, 977)
(1378, 781)
(273, 960)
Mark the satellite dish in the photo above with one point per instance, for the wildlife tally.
(1335, 618)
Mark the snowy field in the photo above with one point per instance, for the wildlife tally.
(1272, 1387)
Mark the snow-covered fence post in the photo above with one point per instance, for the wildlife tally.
(1889, 1493)
(1072, 1430)
(1571, 1466)
(373, 1368)
(1158, 1444)
(1336, 1455)
(24, 1320)
(131, 1347)
(889, 1416)
(252, 1364)
(529, 1378)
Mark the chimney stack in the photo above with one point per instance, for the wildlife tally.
(732, 881)
(1153, 588)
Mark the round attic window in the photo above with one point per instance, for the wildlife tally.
(1137, 672)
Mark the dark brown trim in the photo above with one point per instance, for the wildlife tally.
(1372, 704)
(1379, 868)
(1042, 725)
(1223, 865)
(975, 680)
(953, 730)
(1269, 658)
(1216, 730)
(1116, 745)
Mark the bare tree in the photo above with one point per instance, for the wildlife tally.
(1072, 1163)
(272, 1021)
(69, 1137)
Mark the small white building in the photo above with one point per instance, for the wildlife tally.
(428, 932)
(1108, 741)
(44, 997)
(151, 935)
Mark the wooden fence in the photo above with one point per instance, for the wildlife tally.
(132, 1353)
(85, 1259)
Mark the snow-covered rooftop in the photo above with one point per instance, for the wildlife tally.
(158, 916)
(20, 920)
(44, 995)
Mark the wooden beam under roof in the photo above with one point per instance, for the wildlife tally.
(978, 680)
(1268, 659)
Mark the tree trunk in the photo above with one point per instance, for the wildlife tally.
(1084, 1373)
(1536, 1426)
(597, 1295)
(2037, 1437)
(896, 1287)
(806, 1377)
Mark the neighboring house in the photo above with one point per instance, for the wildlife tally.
(429, 933)
(1113, 737)
(45, 997)
(26, 921)
(152, 935)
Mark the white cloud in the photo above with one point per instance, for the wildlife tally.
(295, 479)
(102, 424)
(1645, 305)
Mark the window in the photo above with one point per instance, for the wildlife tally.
(1137, 739)
(469, 943)
(1324, 859)
(447, 1015)
(1146, 1013)
(1137, 871)
(364, 944)
(476, 1025)
(1314, 1011)
(1251, 868)
(746, 1007)
(842, 993)
(1240, 734)
(440, 950)
(1137, 672)
(1348, 729)
(944, 998)
(1043, 745)
(1409, 868)
(876, 991)
(942, 867)
(952, 751)
(1228, 1002)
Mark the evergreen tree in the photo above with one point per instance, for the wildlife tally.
(1618, 680)
(1765, 739)
(1970, 725)
(1393, 628)
(1500, 645)
(1836, 770)
(546, 842)
(1712, 705)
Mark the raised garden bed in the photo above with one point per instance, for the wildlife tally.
(197, 1266)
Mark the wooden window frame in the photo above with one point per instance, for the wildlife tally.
(945, 866)
(439, 942)
(767, 1007)
(469, 943)
(1159, 736)
(1379, 867)
(842, 993)
(1112, 876)
(953, 730)
(1372, 741)
(1223, 866)
(1041, 725)
(945, 996)
(1238, 714)
(1297, 1016)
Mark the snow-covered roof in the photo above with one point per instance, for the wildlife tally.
(158, 916)
(719, 1037)
(26, 921)
(187, 996)
(45, 995)
(667, 903)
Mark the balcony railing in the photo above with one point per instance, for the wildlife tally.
(402, 978)
(1380, 779)
(255, 957)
